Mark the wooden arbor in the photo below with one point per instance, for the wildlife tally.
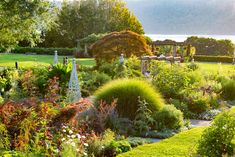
(173, 58)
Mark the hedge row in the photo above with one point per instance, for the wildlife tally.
(44, 51)
(223, 59)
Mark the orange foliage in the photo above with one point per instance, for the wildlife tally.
(114, 44)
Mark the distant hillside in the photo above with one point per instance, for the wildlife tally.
(185, 16)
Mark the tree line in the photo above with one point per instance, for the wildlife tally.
(28, 23)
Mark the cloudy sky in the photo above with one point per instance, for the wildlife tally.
(185, 16)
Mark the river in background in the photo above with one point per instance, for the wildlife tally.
(181, 38)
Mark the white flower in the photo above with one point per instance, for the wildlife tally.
(73, 144)
(63, 139)
(73, 136)
(83, 137)
(64, 130)
(70, 131)
(85, 153)
(68, 136)
(86, 144)
(57, 150)
(79, 136)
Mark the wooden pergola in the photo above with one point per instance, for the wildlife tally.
(145, 60)
(175, 44)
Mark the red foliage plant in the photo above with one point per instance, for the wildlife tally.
(69, 114)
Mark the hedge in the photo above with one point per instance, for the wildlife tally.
(223, 59)
(44, 51)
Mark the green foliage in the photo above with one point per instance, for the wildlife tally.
(98, 145)
(118, 147)
(218, 139)
(4, 138)
(127, 91)
(44, 51)
(78, 19)
(131, 68)
(62, 72)
(173, 80)
(198, 104)
(193, 66)
(136, 141)
(114, 44)
(143, 119)
(228, 89)
(169, 118)
(1, 100)
(163, 134)
(209, 46)
(23, 21)
(90, 81)
(8, 80)
(223, 59)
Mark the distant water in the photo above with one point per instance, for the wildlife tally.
(181, 38)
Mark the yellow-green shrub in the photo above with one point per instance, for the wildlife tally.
(127, 91)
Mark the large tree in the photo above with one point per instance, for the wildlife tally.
(78, 19)
(22, 20)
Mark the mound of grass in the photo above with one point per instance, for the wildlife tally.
(127, 91)
(181, 145)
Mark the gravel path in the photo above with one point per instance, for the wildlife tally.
(199, 123)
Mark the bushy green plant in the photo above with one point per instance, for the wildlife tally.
(193, 66)
(198, 104)
(127, 91)
(4, 138)
(143, 119)
(228, 89)
(97, 145)
(168, 118)
(172, 80)
(131, 68)
(62, 72)
(219, 138)
(90, 81)
(117, 147)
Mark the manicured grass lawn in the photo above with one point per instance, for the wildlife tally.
(180, 145)
(216, 68)
(8, 60)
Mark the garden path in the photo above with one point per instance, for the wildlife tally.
(194, 123)
(199, 123)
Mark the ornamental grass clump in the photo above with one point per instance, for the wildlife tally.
(127, 91)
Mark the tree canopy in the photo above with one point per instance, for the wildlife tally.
(78, 19)
(209, 46)
(114, 44)
(22, 20)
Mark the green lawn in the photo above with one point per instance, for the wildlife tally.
(8, 60)
(180, 145)
(216, 68)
